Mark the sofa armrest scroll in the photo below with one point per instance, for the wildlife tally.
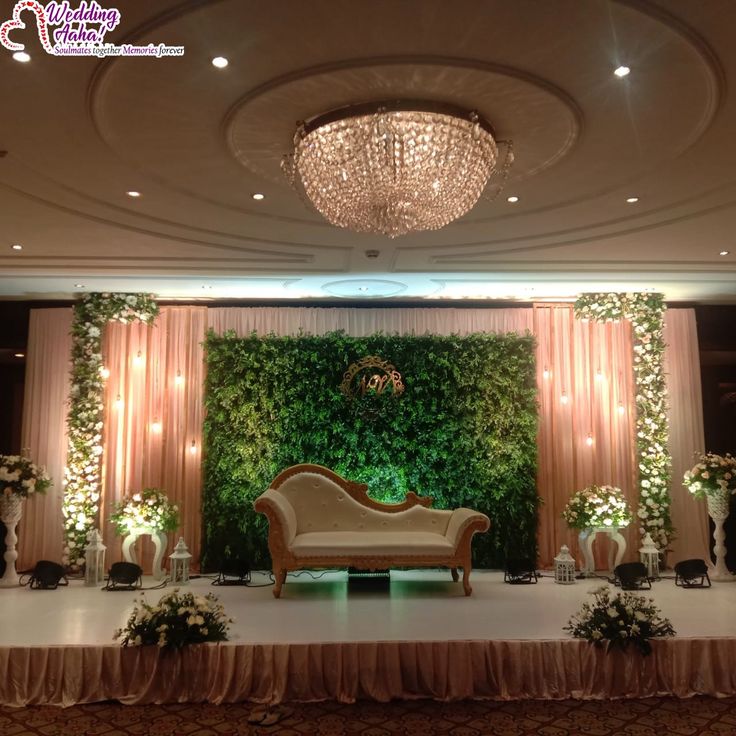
(464, 519)
(280, 514)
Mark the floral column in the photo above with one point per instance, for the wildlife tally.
(85, 418)
(646, 313)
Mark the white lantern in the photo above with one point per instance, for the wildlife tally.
(94, 559)
(564, 567)
(649, 555)
(180, 557)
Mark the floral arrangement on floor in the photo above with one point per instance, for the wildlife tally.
(20, 477)
(597, 506)
(713, 475)
(645, 312)
(623, 619)
(85, 416)
(150, 508)
(176, 620)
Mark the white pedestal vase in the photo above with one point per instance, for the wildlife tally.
(718, 507)
(159, 542)
(11, 509)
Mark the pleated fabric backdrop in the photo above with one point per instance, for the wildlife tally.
(154, 407)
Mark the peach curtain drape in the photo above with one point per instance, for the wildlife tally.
(682, 366)
(350, 671)
(154, 412)
(45, 405)
(586, 416)
(570, 354)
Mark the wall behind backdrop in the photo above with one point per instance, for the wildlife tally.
(588, 363)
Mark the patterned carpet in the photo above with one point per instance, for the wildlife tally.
(653, 717)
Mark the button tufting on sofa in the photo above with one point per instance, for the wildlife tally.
(306, 529)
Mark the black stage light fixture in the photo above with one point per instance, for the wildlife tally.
(692, 574)
(631, 576)
(233, 571)
(124, 576)
(520, 571)
(47, 575)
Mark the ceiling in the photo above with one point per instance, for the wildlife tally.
(197, 142)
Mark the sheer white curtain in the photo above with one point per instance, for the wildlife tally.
(367, 321)
(45, 406)
(682, 365)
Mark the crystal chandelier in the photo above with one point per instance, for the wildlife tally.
(393, 168)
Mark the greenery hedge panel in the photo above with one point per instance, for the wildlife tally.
(464, 431)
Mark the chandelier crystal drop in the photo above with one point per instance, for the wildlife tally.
(393, 168)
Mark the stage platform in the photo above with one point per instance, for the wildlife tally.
(419, 638)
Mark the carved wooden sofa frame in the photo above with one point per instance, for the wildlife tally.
(284, 561)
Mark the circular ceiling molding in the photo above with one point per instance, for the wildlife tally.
(542, 122)
(364, 288)
(206, 142)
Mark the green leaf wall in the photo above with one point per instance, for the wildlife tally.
(464, 431)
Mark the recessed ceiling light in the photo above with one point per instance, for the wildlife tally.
(621, 71)
(19, 355)
(79, 286)
(133, 194)
(220, 62)
(258, 196)
(16, 246)
(22, 57)
(513, 199)
(632, 200)
(724, 252)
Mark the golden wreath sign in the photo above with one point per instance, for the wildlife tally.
(371, 375)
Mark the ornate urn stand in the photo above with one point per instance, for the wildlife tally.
(11, 509)
(586, 539)
(718, 508)
(159, 542)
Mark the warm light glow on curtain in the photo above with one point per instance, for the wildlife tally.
(584, 438)
(149, 433)
(153, 414)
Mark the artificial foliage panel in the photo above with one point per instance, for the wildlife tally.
(463, 431)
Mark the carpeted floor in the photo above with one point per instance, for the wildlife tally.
(652, 717)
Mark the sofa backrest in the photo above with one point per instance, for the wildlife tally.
(321, 505)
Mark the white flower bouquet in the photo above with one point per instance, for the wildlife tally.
(177, 619)
(150, 508)
(620, 620)
(19, 476)
(713, 475)
(597, 506)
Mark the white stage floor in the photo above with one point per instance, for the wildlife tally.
(420, 606)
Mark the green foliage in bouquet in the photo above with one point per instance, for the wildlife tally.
(19, 476)
(713, 475)
(597, 506)
(176, 620)
(150, 508)
(619, 621)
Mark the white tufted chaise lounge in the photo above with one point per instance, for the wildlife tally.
(318, 519)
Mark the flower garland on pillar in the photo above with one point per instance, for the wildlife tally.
(85, 417)
(646, 314)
